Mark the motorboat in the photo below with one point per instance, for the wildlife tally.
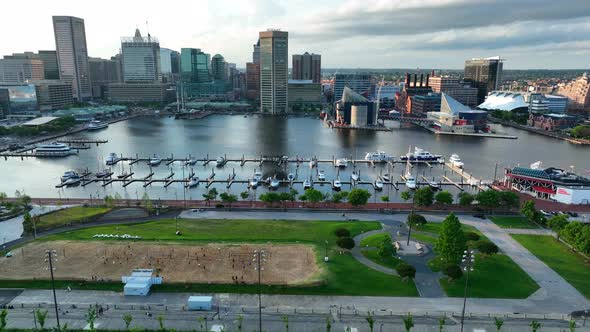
(72, 181)
(410, 181)
(386, 177)
(313, 163)
(190, 162)
(274, 183)
(54, 149)
(103, 173)
(155, 161)
(306, 184)
(336, 185)
(220, 161)
(193, 182)
(68, 175)
(257, 175)
(112, 159)
(434, 185)
(378, 184)
(341, 162)
(321, 175)
(291, 177)
(455, 160)
(355, 176)
(378, 156)
(420, 155)
(97, 125)
(122, 175)
(253, 183)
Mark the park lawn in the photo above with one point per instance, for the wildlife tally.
(373, 255)
(495, 276)
(572, 266)
(374, 240)
(513, 222)
(424, 238)
(69, 215)
(343, 274)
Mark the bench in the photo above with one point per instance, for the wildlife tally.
(397, 245)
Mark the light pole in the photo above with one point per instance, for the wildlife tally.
(326, 255)
(259, 258)
(50, 256)
(467, 263)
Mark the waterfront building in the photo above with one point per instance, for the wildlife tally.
(140, 93)
(53, 94)
(307, 67)
(169, 64)
(578, 93)
(49, 59)
(505, 101)
(550, 183)
(274, 48)
(403, 100)
(18, 100)
(253, 81)
(102, 73)
(355, 110)
(453, 87)
(141, 58)
(304, 93)
(360, 83)
(72, 54)
(484, 74)
(218, 68)
(195, 65)
(214, 90)
(458, 118)
(551, 121)
(420, 104)
(20, 70)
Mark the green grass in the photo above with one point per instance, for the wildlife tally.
(375, 240)
(424, 238)
(69, 215)
(495, 276)
(435, 228)
(513, 222)
(343, 274)
(373, 255)
(571, 266)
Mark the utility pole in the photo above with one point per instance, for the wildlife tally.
(259, 258)
(50, 256)
(467, 262)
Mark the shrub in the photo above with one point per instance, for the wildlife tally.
(405, 270)
(342, 232)
(416, 220)
(219, 206)
(471, 236)
(453, 271)
(345, 242)
(486, 247)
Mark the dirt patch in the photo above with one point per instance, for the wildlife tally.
(211, 263)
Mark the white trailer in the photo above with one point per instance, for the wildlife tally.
(199, 302)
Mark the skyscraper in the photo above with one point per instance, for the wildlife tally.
(72, 54)
(195, 65)
(141, 58)
(307, 67)
(256, 52)
(274, 53)
(360, 83)
(50, 64)
(20, 70)
(218, 68)
(484, 74)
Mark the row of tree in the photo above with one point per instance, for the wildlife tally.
(488, 199)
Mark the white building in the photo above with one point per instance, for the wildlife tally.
(141, 58)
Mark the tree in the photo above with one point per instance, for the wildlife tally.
(228, 198)
(557, 223)
(293, 195)
(385, 199)
(509, 199)
(328, 323)
(416, 220)
(2, 197)
(488, 198)
(25, 200)
(160, 319)
(406, 196)
(313, 195)
(345, 242)
(441, 323)
(28, 225)
(339, 196)
(41, 317)
(285, 320)
(453, 271)
(443, 197)
(147, 202)
(405, 270)
(486, 247)
(451, 241)
(408, 322)
(285, 197)
(3, 315)
(358, 196)
(108, 201)
(572, 325)
(211, 195)
(117, 198)
(535, 326)
(386, 248)
(581, 131)
(528, 210)
(127, 318)
(91, 317)
(370, 320)
(471, 236)
(342, 232)
(244, 195)
(423, 196)
(270, 197)
(498, 322)
(465, 199)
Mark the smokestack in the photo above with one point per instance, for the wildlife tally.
(415, 79)
(427, 79)
(421, 79)
(432, 73)
(407, 79)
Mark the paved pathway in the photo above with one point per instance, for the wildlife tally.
(356, 253)
(529, 231)
(12, 229)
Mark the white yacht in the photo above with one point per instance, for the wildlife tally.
(253, 183)
(410, 179)
(306, 184)
(112, 159)
(68, 175)
(275, 183)
(378, 156)
(420, 155)
(155, 161)
(190, 162)
(291, 177)
(336, 185)
(341, 162)
(96, 125)
(54, 149)
(378, 185)
(220, 161)
(434, 185)
(122, 175)
(455, 160)
(193, 182)
(313, 163)
(321, 175)
(103, 173)
(257, 175)
(386, 177)
(72, 181)
(355, 175)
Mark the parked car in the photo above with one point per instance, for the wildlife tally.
(545, 213)
(573, 214)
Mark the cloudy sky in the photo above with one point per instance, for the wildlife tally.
(348, 33)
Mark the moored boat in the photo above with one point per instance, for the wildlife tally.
(420, 155)
(155, 161)
(378, 156)
(455, 160)
(306, 184)
(321, 175)
(378, 185)
(336, 185)
(54, 149)
(112, 159)
(96, 125)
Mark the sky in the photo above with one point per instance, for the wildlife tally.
(528, 34)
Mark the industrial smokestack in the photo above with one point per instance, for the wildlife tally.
(415, 79)
(427, 79)
(407, 79)
(421, 80)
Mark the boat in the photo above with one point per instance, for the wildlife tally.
(410, 179)
(257, 175)
(456, 161)
(253, 183)
(378, 156)
(306, 184)
(336, 185)
(274, 183)
(420, 155)
(378, 185)
(68, 175)
(341, 162)
(103, 173)
(220, 161)
(321, 175)
(155, 161)
(112, 159)
(193, 182)
(97, 125)
(122, 175)
(434, 185)
(355, 176)
(72, 181)
(291, 177)
(313, 163)
(54, 149)
(190, 162)
(386, 177)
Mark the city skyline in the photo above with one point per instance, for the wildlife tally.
(552, 36)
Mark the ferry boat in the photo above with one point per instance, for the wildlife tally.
(275, 183)
(336, 185)
(456, 161)
(112, 159)
(341, 162)
(321, 175)
(193, 182)
(378, 156)
(291, 177)
(68, 175)
(378, 185)
(54, 149)
(97, 125)
(103, 173)
(420, 155)
(306, 184)
(155, 161)
(355, 176)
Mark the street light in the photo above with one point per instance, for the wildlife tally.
(50, 257)
(467, 263)
(326, 255)
(259, 258)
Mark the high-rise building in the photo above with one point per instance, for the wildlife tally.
(141, 58)
(218, 68)
(359, 83)
(72, 54)
(195, 65)
(484, 74)
(452, 86)
(307, 67)
(20, 70)
(253, 81)
(304, 93)
(256, 52)
(104, 72)
(169, 64)
(577, 92)
(53, 94)
(274, 58)
(49, 59)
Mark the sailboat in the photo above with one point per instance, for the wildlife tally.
(410, 180)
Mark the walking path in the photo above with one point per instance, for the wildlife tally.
(358, 255)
